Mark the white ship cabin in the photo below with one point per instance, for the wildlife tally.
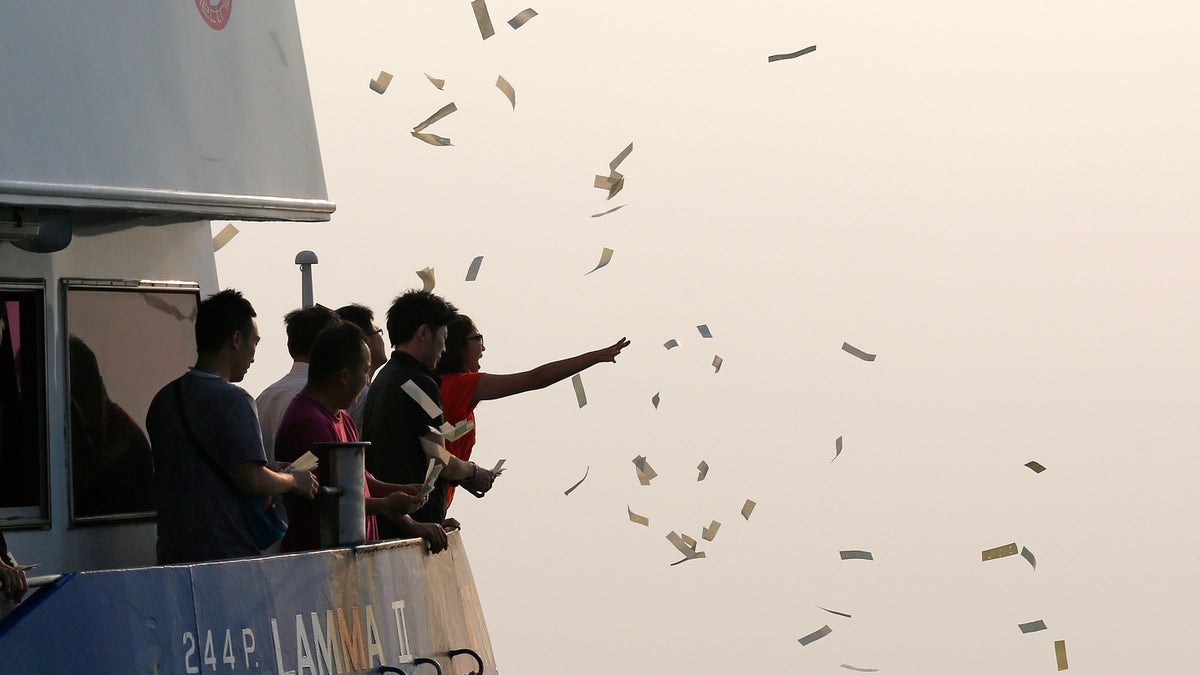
(124, 130)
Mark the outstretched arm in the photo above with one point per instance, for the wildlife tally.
(498, 386)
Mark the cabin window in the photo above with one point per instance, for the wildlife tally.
(22, 404)
(125, 340)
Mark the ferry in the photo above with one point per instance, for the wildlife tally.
(125, 130)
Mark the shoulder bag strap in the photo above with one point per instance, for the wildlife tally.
(212, 462)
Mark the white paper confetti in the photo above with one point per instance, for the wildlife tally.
(851, 349)
(605, 258)
(572, 488)
(580, 396)
(380, 84)
(815, 635)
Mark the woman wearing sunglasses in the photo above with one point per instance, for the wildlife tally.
(464, 386)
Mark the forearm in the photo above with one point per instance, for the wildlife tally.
(458, 469)
(377, 506)
(257, 479)
(379, 488)
(492, 387)
(545, 375)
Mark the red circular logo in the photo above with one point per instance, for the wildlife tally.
(215, 12)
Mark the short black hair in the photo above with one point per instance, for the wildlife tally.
(414, 309)
(337, 347)
(359, 315)
(454, 360)
(219, 316)
(303, 327)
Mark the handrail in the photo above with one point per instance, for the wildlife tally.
(416, 662)
(456, 652)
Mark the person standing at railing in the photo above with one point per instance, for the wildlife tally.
(209, 462)
(398, 422)
(338, 367)
(302, 327)
(363, 317)
(464, 386)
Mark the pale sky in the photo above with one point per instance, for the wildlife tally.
(996, 198)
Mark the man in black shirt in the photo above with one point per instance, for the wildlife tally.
(395, 422)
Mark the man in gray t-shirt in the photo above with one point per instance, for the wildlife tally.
(199, 512)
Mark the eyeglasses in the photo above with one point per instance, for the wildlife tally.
(477, 336)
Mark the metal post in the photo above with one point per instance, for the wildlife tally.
(341, 500)
(306, 259)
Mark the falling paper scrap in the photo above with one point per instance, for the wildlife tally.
(781, 57)
(644, 471)
(856, 555)
(1060, 653)
(572, 488)
(833, 612)
(671, 344)
(427, 278)
(435, 81)
(612, 166)
(1000, 552)
(644, 467)
(616, 187)
(655, 399)
(837, 449)
(228, 232)
(521, 18)
(1032, 626)
(694, 556)
(453, 432)
(432, 471)
(847, 347)
(473, 270)
(380, 84)
(717, 361)
(1037, 468)
(432, 139)
(748, 508)
(704, 331)
(640, 520)
(440, 114)
(417, 394)
(605, 258)
(681, 544)
(482, 18)
(860, 670)
(815, 635)
(689, 541)
(605, 213)
(499, 468)
(702, 467)
(580, 396)
(503, 85)
(709, 533)
(1028, 555)
(606, 182)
